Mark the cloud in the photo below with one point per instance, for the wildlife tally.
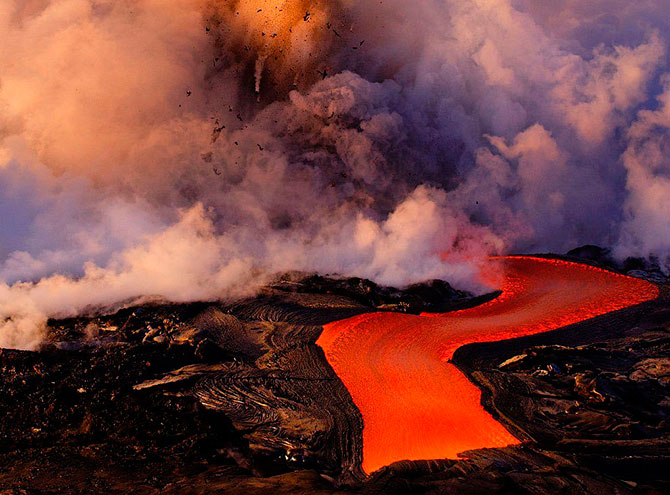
(191, 149)
(647, 161)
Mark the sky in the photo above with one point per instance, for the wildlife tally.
(192, 149)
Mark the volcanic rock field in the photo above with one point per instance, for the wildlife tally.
(239, 398)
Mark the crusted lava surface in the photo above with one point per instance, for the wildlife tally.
(220, 398)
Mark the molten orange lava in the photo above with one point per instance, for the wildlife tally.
(414, 403)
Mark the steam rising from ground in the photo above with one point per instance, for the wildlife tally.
(190, 149)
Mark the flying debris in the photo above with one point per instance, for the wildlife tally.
(217, 132)
(323, 73)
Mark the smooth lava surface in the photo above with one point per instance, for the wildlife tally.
(414, 403)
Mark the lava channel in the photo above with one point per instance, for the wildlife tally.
(415, 404)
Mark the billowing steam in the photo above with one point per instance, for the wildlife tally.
(190, 149)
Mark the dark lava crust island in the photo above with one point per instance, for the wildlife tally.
(238, 399)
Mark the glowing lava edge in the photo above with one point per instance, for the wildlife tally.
(414, 403)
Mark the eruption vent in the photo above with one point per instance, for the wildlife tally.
(288, 42)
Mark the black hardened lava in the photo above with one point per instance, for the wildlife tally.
(216, 398)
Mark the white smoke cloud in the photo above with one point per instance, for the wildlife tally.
(180, 150)
(646, 227)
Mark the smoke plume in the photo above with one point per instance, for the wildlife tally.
(191, 149)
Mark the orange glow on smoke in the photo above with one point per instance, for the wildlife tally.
(284, 37)
(272, 22)
(415, 405)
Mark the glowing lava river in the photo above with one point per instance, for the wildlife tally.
(414, 403)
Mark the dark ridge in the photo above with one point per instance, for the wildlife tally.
(648, 268)
(600, 255)
(430, 295)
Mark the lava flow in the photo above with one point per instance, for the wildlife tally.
(414, 403)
